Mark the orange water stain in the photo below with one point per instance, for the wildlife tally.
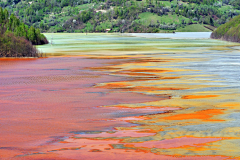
(134, 60)
(170, 77)
(114, 85)
(138, 88)
(63, 142)
(135, 74)
(231, 105)
(149, 78)
(17, 59)
(126, 87)
(215, 120)
(202, 148)
(9, 62)
(142, 88)
(198, 96)
(95, 150)
(148, 70)
(108, 57)
(204, 115)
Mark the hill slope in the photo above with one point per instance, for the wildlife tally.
(121, 15)
(229, 31)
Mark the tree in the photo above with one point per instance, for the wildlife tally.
(32, 35)
(211, 21)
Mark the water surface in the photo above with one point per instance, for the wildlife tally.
(108, 96)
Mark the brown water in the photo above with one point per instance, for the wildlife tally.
(151, 99)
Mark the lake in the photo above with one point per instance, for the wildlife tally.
(122, 96)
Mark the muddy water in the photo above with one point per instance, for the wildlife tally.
(119, 97)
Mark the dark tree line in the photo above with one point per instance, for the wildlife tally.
(12, 46)
(12, 24)
(16, 38)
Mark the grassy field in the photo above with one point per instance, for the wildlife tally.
(87, 6)
(167, 3)
(147, 17)
(193, 28)
(225, 8)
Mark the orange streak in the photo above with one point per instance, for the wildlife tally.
(198, 96)
(17, 59)
(148, 70)
(114, 85)
(136, 74)
(170, 77)
(204, 114)
(141, 88)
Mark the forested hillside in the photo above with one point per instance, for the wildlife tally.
(16, 38)
(123, 15)
(229, 31)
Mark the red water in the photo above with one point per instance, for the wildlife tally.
(109, 108)
(41, 99)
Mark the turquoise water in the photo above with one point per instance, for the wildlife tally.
(118, 44)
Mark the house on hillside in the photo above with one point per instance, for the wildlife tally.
(107, 30)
